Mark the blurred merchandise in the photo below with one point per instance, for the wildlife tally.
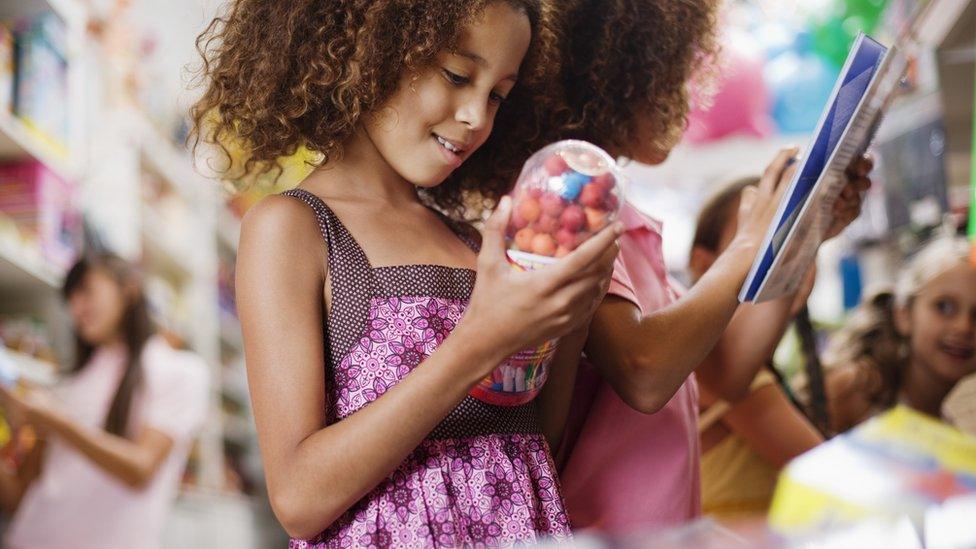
(6, 69)
(42, 78)
(40, 203)
(899, 464)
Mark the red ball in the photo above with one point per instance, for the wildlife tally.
(562, 251)
(592, 195)
(566, 238)
(605, 181)
(546, 224)
(573, 218)
(517, 222)
(555, 165)
(552, 205)
(529, 209)
(611, 203)
(544, 244)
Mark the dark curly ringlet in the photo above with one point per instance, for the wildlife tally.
(280, 75)
(625, 60)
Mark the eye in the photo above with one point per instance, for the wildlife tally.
(455, 78)
(946, 306)
(496, 98)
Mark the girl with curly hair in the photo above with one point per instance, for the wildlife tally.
(630, 452)
(361, 352)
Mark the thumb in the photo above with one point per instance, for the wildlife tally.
(493, 239)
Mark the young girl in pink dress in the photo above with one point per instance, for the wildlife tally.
(367, 313)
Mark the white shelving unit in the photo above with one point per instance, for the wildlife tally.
(186, 259)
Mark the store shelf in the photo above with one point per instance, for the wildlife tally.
(164, 158)
(23, 269)
(32, 369)
(937, 19)
(72, 12)
(19, 142)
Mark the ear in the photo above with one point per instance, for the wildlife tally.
(903, 320)
(700, 261)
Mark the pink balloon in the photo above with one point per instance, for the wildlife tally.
(740, 107)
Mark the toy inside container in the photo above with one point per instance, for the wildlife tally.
(566, 193)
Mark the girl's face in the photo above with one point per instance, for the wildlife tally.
(438, 118)
(96, 307)
(941, 324)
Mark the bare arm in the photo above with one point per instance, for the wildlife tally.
(316, 472)
(557, 394)
(772, 426)
(133, 462)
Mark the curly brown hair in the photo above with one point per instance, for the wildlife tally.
(303, 73)
(630, 61)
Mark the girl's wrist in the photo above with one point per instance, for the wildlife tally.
(739, 256)
(479, 353)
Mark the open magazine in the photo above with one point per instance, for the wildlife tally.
(864, 90)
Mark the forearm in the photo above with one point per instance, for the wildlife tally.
(667, 345)
(745, 348)
(332, 469)
(556, 397)
(117, 456)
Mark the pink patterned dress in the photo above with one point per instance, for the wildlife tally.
(484, 476)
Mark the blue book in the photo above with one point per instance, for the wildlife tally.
(863, 91)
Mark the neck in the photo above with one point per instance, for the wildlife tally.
(922, 389)
(361, 174)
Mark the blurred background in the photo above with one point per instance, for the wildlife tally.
(93, 100)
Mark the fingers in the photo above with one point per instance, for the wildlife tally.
(861, 166)
(493, 236)
(774, 172)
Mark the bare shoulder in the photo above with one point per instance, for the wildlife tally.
(281, 230)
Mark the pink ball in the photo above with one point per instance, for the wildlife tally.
(573, 218)
(592, 196)
(555, 165)
(546, 224)
(552, 205)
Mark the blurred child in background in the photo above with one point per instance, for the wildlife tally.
(114, 436)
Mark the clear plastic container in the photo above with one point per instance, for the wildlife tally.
(565, 194)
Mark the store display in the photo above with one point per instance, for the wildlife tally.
(6, 69)
(741, 105)
(40, 203)
(902, 463)
(41, 88)
(566, 193)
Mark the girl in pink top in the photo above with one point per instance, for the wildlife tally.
(115, 435)
(630, 453)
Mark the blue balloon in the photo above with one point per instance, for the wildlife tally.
(801, 83)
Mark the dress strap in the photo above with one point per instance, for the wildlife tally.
(350, 274)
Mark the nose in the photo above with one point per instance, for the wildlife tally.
(473, 111)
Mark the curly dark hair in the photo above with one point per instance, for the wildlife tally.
(628, 61)
(303, 73)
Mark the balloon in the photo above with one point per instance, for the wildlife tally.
(741, 105)
(801, 82)
(834, 34)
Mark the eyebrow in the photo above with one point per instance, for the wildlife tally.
(481, 61)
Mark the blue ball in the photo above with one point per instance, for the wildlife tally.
(573, 183)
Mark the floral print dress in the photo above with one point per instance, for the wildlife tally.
(484, 476)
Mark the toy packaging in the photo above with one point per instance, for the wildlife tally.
(900, 464)
(566, 193)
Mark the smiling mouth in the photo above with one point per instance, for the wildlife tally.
(961, 352)
(449, 145)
